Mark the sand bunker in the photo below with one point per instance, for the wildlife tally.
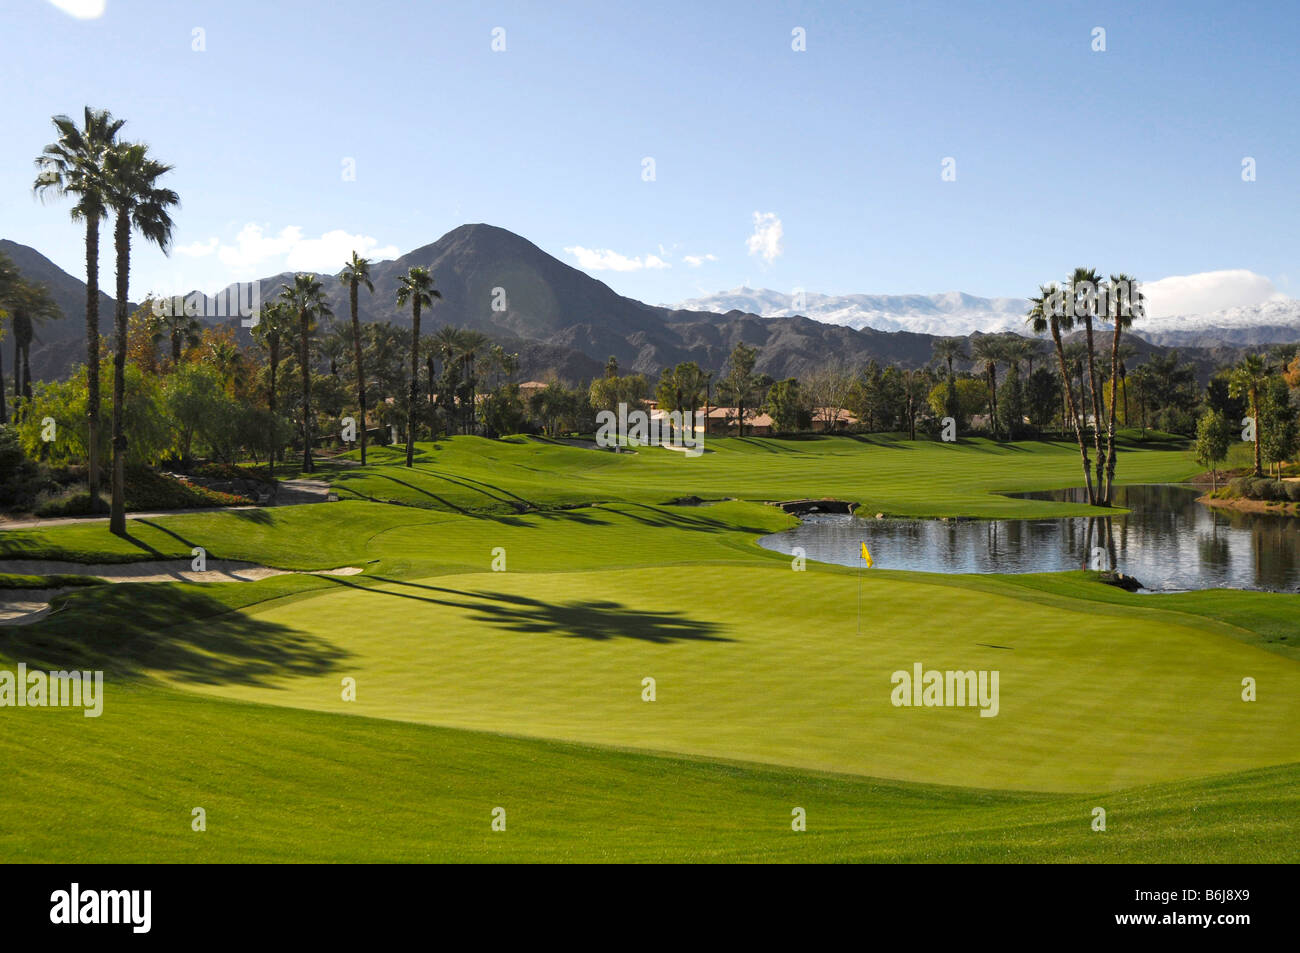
(23, 606)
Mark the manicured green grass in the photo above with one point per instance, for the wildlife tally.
(523, 688)
(882, 472)
(282, 785)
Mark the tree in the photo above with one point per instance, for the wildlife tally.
(178, 326)
(740, 381)
(1086, 292)
(305, 298)
(355, 275)
(989, 348)
(681, 388)
(828, 389)
(1212, 435)
(1047, 313)
(138, 204)
(74, 165)
(416, 286)
(1248, 378)
(8, 282)
(1280, 438)
(785, 405)
(948, 350)
(28, 304)
(1124, 303)
(273, 329)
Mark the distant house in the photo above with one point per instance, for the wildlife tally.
(722, 420)
(839, 419)
(529, 388)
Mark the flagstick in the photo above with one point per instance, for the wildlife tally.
(860, 598)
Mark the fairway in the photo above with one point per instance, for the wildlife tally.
(501, 633)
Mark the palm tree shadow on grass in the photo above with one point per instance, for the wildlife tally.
(176, 630)
(596, 620)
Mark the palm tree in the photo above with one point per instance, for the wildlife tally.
(8, 282)
(416, 286)
(28, 304)
(306, 299)
(1087, 289)
(273, 329)
(180, 329)
(138, 204)
(1123, 302)
(446, 344)
(1047, 313)
(472, 343)
(356, 273)
(74, 165)
(989, 348)
(948, 350)
(1247, 379)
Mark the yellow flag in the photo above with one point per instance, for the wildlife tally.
(866, 556)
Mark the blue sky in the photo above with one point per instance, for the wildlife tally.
(1128, 159)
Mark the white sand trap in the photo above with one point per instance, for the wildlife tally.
(23, 606)
(170, 570)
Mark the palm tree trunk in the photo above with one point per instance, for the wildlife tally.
(1074, 414)
(4, 417)
(27, 370)
(117, 509)
(1096, 407)
(92, 357)
(270, 402)
(415, 376)
(304, 357)
(1254, 413)
(361, 374)
(1109, 489)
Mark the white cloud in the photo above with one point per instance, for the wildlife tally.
(199, 249)
(82, 9)
(766, 240)
(254, 253)
(1207, 291)
(696, 260)
(603, 259)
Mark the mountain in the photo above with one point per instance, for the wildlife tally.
(568, 322)
(951, 313)
(59, 345)
(564, 322)
(956, 314)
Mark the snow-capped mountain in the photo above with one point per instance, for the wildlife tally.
(955, 313)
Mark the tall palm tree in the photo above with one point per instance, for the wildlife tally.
(1247, 380)
(1048, 313)
(1124, 301)
(948, 350)
(138, 204)
(355, 274)
(8, 282)
(1087, 290)
(306, 299)
(273, 330)
(989, 348)
(416, 286)
(74, 165)
(472, 345)
(446, 343)
(180, 329)
(29, 303)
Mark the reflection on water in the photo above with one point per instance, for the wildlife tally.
(1167, 541)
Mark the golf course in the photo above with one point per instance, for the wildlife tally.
(595, 643)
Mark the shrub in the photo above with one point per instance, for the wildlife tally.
(1293, 490)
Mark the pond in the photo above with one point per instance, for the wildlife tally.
(1168, 542)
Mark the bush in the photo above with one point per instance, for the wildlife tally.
(1292, 490)
(145, 490)
(20, 478)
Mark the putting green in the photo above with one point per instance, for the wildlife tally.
(766, 664)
